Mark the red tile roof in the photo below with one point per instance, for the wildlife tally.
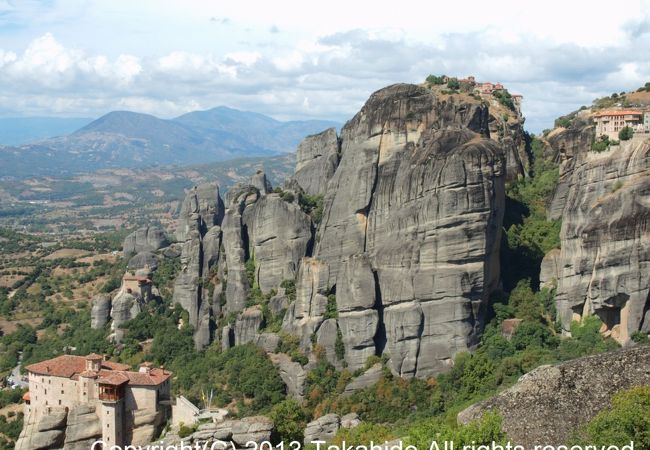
(114, 378)
(69, 366)
(26, 396)
(628, 112)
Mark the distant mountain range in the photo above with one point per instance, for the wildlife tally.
(134, 140)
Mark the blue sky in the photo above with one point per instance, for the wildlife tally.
(301, 59)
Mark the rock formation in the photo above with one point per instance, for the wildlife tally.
(410, 233)
(407, 247)
(316, 160)
(256, 429)
(279, 234)
(145, 239)
(80, 427)
(101, 310)
(198, 229)
(603, 266)
(543, 407)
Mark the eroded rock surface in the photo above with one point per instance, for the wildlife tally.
(419, 195)
(547, 404)
(316, 161)
(145, 239)
(603, 267)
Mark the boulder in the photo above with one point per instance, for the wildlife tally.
(547, 404)
(268, 342)
(363, 381)
(261, 183)
(256, 429)
(322, 429)
(550, 270)
(279, 302)
(350, 420)
(326, 337)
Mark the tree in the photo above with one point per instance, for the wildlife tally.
(626, 134)
(290, 420)
(433, 79)
(453, 83)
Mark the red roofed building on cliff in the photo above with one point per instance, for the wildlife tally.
(117, 393)
(610, 122)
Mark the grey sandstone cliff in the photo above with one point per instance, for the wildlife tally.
(145, 239)
(201, 215)
(547, 404)
(411, 229)
(408, 242)
(317, 157)
(603, 267)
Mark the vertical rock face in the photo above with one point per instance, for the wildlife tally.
(100, 311)
(511, 136)
(567, 146)
(411, 229)
(201, 210)
(604, 261)
(408, 242)
(235, 242)
(279, 234)
(199, 229)
(306, 314)
(316, 161)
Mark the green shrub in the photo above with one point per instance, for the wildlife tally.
(433, 79)
(533, 334)
(481, 432)
(640, 337)
(290, 420)
(626, 133)
(453, 84)
(330, 311)
(184, 431)
(627, 420)
(601, 144)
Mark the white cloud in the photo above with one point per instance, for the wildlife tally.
(178, 59)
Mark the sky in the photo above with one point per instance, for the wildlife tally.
(310, 59)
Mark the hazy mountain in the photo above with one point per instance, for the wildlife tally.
(128, 139)
(23, 130)
(269, 133)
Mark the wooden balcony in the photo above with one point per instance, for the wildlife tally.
(110, 393)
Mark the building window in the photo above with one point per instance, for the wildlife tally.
(62, 391)
(45, 392)
(49, 381)
(59, 402)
